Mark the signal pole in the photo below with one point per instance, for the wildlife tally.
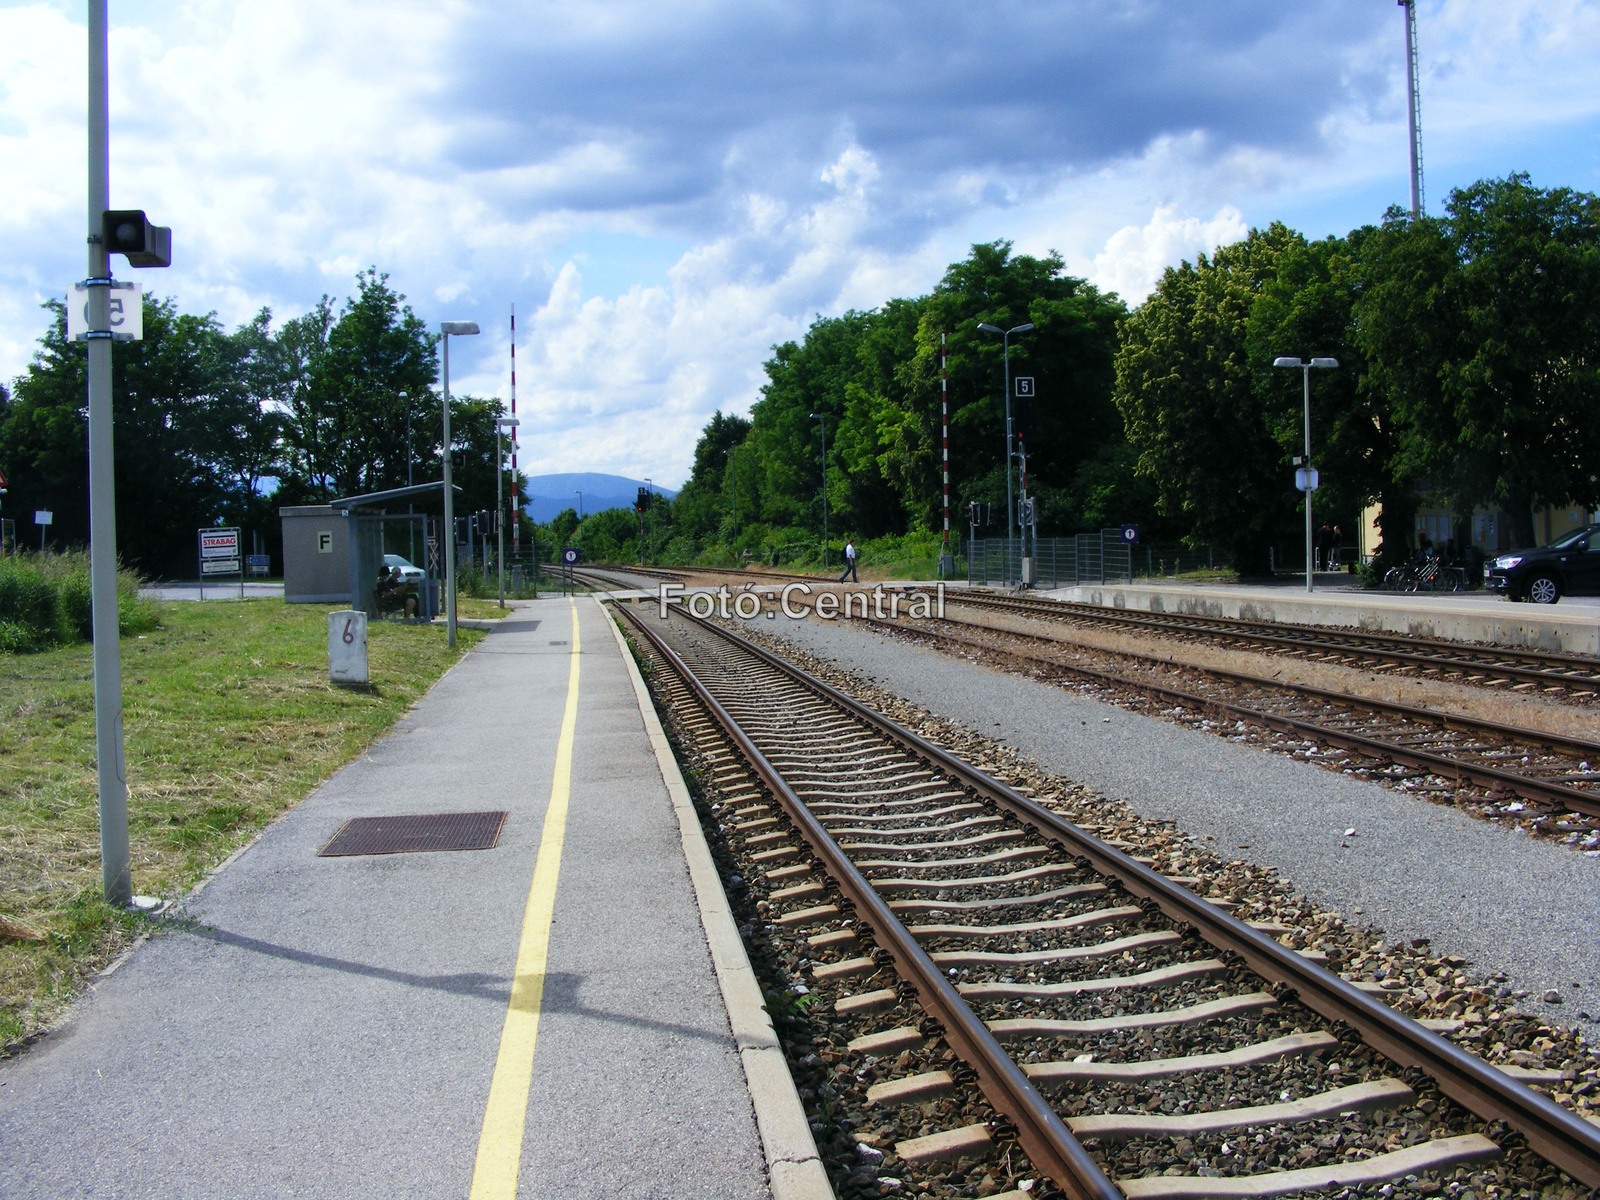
(111, 767)
(516, 508)
(1413, 106)
(946, 561)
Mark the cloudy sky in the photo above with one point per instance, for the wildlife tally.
(667, 190)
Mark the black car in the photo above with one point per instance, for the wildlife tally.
(1568, 566)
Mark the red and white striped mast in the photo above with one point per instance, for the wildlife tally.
(516, 520)
(944, 421)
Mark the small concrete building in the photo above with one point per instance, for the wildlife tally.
(332, 552)
(316, 554)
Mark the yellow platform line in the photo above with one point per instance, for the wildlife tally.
(494, 1176)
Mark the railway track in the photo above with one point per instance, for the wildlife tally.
(1130, 1037)
(1385, 739)
(1573, 676)
(683, 574)
(1381, 737)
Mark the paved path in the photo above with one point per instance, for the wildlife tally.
(1505, 900)
(330, 1026)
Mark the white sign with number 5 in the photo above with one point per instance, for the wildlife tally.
(127, 313)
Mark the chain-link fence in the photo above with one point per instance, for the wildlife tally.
(1102, 557)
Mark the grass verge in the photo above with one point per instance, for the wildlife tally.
(480, 610)
(230, 720)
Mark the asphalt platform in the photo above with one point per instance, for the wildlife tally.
(331, 1026)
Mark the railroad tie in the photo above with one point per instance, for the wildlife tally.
(942, 1147)
(1059, 1074)
(1442, 1154)
(1358, 1097)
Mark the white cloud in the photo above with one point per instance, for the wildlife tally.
(1134, 258)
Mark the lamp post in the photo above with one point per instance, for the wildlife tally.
(1005, 336)
(822, 420)
(446, 329)
(502, 426)
(650, 489)
(411, 529)
(580, 505)
(1308, 478)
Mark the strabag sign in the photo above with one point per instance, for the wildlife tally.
(219, 543)
(219, 552)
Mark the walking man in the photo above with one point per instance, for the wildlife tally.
(849, 563)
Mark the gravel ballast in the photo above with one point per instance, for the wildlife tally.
(1503, 900)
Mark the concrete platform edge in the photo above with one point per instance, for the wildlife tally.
(1574, 631)
(794, 1168)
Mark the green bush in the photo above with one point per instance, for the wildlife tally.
(45, 600)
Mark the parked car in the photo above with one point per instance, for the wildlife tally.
(408, 573)
(1568, 566)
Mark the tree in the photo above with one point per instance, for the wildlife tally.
(207, 420)
(704, 502)
(1505, 402)
(561, 527)
(1404, 332)
(348, 428)
(875, 376)
(811, 376)
(177, 409)
(1186, 387)
(472, 436)
(1307, 310)
(1070, 354)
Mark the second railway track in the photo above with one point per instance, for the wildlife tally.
(1571, 676)
(1507, 760)
(1386, 739)
(940, 907)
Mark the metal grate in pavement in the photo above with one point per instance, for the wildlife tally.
(415, 834)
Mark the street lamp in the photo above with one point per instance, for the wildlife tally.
(502, 426)
(446, 329)
(580, 505)
(411, 529)
(823, 421)
(1306, 476)
(1005, 335)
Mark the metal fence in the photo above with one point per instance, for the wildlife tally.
(1101, 557)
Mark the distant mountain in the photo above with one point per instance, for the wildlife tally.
(546, 495)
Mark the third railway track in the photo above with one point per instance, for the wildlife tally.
(1507, 760)
(1572, 675)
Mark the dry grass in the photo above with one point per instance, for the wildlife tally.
(229, 719)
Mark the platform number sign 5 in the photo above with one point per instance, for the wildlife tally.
(1024, 386)
(127, 313)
